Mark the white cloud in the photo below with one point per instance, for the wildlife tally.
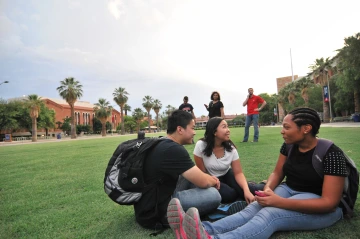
(116, 8)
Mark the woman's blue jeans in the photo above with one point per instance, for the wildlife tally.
(256, 221)
(205, 200)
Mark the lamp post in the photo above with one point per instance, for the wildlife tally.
(4, 82)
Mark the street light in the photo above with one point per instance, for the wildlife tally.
(4, 82)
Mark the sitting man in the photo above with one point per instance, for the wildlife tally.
(165, 163)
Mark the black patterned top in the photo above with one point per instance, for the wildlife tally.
(301, 175)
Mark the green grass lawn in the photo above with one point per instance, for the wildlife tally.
(55, 190)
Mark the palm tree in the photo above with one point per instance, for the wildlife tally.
(303, 85)
(138, 115)
(320, 75)
(148, 103)
(120, 97)
(169, 109)
(156, 107)
(70, 90)
(127, 108)
(103, 111)
(34, 103)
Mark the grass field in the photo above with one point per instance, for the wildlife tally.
(55, 189)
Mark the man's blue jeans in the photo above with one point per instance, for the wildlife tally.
(255, 120)
(205, 200)
(256, 221)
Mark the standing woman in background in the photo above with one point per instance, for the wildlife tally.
(215, 107)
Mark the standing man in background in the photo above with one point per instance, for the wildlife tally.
(188, 108)
(252, 101)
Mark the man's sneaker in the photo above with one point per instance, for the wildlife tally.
(254, 141)
(243, 141)
(175, 215)
(192, 225)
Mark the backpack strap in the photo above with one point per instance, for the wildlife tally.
(321, 148)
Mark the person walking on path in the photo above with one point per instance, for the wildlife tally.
(215, 107)
(252, 101)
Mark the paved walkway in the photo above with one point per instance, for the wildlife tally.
(335, 124)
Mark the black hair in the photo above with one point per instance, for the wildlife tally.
(209, 136)
(186, 98)
(178, 118)
(304, 116)
(212, 95)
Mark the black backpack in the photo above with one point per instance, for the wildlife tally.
(351, 186)
(124, 179)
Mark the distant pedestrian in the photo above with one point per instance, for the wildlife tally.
(252, 101)
(186, 106)
(215, 107)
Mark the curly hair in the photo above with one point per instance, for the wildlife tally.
(303, 116)
(209, 137)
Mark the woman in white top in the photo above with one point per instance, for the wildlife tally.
(217, 155)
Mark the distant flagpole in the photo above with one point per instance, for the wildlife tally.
(292, 73)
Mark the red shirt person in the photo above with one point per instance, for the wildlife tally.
(253, 101)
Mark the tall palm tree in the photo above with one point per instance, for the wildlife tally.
(156, 107)
(103, 111)
(303, 85)
(148, 103)
(169, 109)
(34, 103)
(320, 75)
(71, 90)
(121, 97)
(138, 115)
(127, 108)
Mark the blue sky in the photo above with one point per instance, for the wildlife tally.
(166, 49)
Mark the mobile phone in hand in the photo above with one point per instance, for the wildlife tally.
(260, 194)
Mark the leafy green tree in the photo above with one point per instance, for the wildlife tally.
(103, 111)
(70, 90)
(138, 116)
(130, 124)
(121, 97)
(156, 107)
(348, 60)
(34, 102)
(10, 114)
(46, 118)
(148, 103)
(66, 127)
(97, 126)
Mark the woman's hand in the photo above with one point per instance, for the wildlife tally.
(270, 198)
(249, 197)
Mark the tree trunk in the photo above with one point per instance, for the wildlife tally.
(149, 121)
(103, 129)
(73, 126)
(357, 101)
(122, 121)
(34, 130)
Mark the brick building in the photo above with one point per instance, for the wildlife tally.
(84, 114)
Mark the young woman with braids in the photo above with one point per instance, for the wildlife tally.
(304, 202)
(216, 155)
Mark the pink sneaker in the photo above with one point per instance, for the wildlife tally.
(192, 225)
(175, 215)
